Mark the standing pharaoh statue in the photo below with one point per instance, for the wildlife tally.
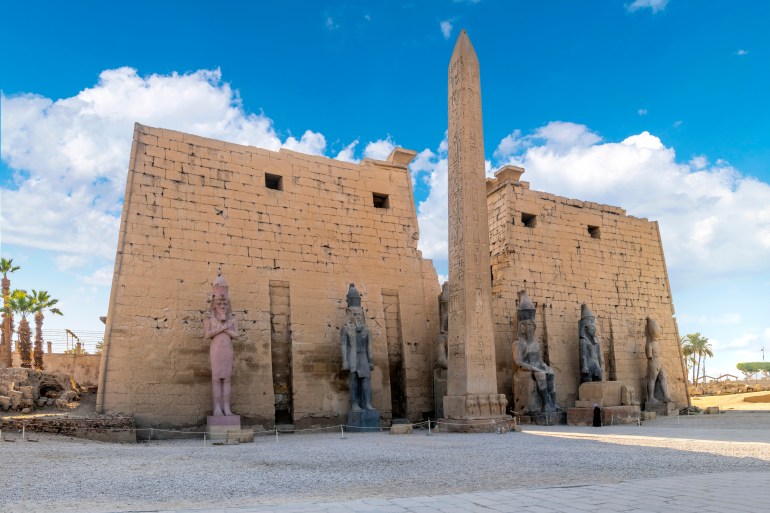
(657, 385)
(357, 353)
(527, 357)
(590, 347)
(441, 363)
(220, 326)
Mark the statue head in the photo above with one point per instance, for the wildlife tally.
(526, 316)
(220, 299)
(653, 330)
(587, 324)
(526, 307)
(355, 312)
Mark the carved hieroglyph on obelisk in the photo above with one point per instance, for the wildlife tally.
(471, 376)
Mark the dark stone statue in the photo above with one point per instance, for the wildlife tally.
(590, 347)
(357, 353)
(657, 384)
(527, 356)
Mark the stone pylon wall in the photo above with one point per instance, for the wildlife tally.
(194, 205)
(565, 252)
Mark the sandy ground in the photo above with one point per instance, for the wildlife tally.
(68, 475)
(732, 402)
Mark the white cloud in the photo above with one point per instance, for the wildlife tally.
(711, 217)
(67, 262)
(380, 149)
(425, 161)
(741, 342)
(655, 5)
(347, 154)
(699, 162)
(70, 156)
(432, 213)
(642, 112)
(729, 318)
(742, 52)
(713, 220)
(446, 28)
(312, 143)
(100, 277)
(330, 24)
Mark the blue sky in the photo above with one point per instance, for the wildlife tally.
(658, 106)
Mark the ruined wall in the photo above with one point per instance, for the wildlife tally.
(84, 368)
(290, 232)
(565, 252)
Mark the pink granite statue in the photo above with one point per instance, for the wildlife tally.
(220, 326)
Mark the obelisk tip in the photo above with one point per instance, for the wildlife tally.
(463, 46)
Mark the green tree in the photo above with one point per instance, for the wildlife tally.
(689, 356)
(700, 349)
(21, 303)
(749, 369)
(6, 355)
(41, 301)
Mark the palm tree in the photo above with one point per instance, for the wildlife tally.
(41, 301)
(21, 303)
(706, 352)
(6, 355)
(700, 349)
(688, 356)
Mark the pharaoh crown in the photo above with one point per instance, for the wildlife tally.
(354, 298)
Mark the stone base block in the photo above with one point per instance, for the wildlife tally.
(401, 429)
(662, 408)
(526, 397)
(218, 426)
(545, 419)
(239, 436)
(711, 410)
(503, 423)
(603, 393)
(364, 421)
(649, 415)
(611, 415)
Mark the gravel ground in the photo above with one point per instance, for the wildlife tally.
(68, 475)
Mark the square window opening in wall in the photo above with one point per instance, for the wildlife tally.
(274, 182)
(380, 200)
(528, 220)
(594, 232)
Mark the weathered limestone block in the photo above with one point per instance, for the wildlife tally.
(401, 429)
(218, 426)
(16, 399)
(610, 415)
(5, 402)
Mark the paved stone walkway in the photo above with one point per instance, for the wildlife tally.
(708, 493)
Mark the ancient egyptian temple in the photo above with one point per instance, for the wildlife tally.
(290, 232)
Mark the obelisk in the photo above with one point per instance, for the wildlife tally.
(471, 379)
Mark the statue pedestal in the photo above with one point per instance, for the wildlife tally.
(551, 418)
(611, 415)
(616, 400)
(364, 421)
(482, 425)
(601, 393)
(217, 426)
(661, 408)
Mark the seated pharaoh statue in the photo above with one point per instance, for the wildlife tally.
(590, 347)
(530, 367)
